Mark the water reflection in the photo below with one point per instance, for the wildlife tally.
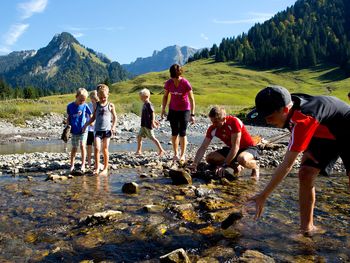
(39, 221)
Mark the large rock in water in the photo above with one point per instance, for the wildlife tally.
(180, 176)
(176, 256)
(100, 218)
(130, 188)
(253, 256)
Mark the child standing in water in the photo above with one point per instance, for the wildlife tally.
(77, 112)
(91, 137)
(148, 122)
(105, 121)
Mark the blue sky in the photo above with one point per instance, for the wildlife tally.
(127, 29)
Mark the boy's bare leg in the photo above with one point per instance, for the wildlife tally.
(97, 147)
(83, 156)
(307, 197)
(183, 144)
(72, 158)
(139, 145)
(159, 146)
(105, 146)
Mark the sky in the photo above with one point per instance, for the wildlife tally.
(127, 29)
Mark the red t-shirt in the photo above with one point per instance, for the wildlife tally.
(303, 128)
(231, 126)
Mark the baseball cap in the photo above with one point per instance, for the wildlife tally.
(269, 100)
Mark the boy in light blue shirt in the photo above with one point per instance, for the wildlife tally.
(77, 112)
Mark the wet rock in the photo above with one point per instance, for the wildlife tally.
(130, 188)
(56, 177)
(180, 176)
(231, 219)
(153, 208)
(100, 218)
(253, 256)
(176, 256)
(214, 203)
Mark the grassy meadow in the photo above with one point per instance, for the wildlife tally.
(226, 84)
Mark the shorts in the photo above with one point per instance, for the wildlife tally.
(179, 122)
(90, 138)
(146, 133)
(253, 150)
(326, 152)
(78, 139)
(103, 134)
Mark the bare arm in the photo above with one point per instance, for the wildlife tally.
(201, 151)
(281, 171)
(193, 105)
(235, 142)
(114, 118)
(92, 119)
(164, 102)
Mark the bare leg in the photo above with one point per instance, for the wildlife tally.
(175, 143)
(159, 146)
(307, 197)
(72, 158)
(247, 160)
(83, 156)
(105, 156)
(97, 147)
(183, 144)
(139, 145)
(89, 154)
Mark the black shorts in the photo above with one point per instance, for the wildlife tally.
(90, 138)
(326, 152)
(179, 122)
(253, 150)
(103, 134)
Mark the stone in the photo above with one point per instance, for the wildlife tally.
(176, 256)
(180, 176)
(231, 219)
(130, 188)
(253, 256)
(100, 218)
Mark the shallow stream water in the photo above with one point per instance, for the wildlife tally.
(40, 220)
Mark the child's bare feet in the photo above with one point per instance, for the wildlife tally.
(138, 152)
(104, 172)
(238, 169)
(95, 172)
(161, 153)
(314, 231)
(175, 158)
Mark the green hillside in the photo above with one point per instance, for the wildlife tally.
(213, 83)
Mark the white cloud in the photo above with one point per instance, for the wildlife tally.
(5, 50)
(256, 18)
(78, 34)
(31, 7)
(204, 36)
(14, 33)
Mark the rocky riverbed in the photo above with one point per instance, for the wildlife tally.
(141, 214)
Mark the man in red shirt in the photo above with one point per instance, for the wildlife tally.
(240, 146)
(319, 128)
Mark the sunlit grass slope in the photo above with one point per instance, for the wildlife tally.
(213, 84)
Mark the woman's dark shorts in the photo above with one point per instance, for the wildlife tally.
(103, 134)
(179, 122)
(90, 138)
(253, 150)
(326, 152)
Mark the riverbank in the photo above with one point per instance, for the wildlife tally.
(48, 128)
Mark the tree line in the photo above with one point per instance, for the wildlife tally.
(309, 32)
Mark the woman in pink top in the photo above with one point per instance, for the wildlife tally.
(181, 109)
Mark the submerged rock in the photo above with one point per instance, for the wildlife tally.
(130, 188)
(176, 256)
(180, 176)
(100, 218)
(253, 256)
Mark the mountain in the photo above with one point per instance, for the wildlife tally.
(305, 34)
(160, 60)
(61, 67)
(13, 59)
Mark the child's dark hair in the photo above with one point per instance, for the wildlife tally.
(175, 71)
